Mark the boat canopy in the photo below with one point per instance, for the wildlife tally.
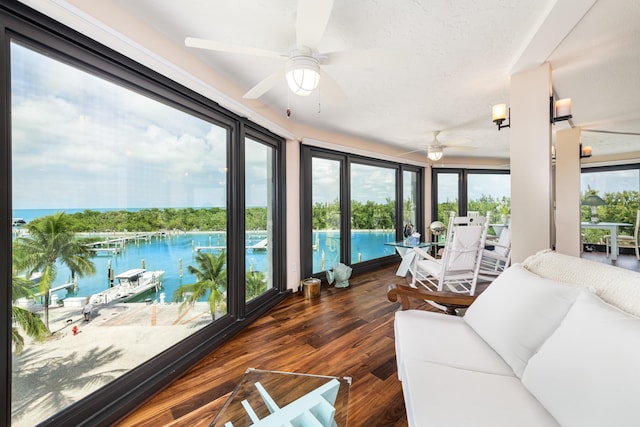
(131, 274)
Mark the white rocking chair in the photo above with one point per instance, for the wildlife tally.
(457, 270)
(494, 261)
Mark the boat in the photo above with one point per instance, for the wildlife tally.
(17, 222)
(130, 284)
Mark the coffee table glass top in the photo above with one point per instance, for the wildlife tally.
(272, 398)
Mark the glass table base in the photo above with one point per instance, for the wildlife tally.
(274, 399)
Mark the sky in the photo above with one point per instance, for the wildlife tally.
(610, 181)
(79, 141)
(478, 185)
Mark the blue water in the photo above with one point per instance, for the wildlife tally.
(167, 252)
(365, 245)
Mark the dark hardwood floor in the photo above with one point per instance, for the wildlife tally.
(345, 332)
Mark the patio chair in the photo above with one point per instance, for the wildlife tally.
(626, 241)
(457, 270)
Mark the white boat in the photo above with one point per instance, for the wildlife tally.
(17, 222)
(130, 283)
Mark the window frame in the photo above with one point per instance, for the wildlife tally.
(463, 180)
(124, 394)
(307, 153)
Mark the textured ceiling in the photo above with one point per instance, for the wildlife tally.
(457, 59)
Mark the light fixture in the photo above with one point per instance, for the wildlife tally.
(594, 201)
(499, 114)
(303, 73)
(434, 153)
(585, 151)
(560, 110)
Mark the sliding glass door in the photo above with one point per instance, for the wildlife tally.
(352, 206)
(326, 213)
(373, 210)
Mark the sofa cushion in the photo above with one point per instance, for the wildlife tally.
(446, 339)
(518, 312)
(586, 373)
(441, 395)
(614, 285)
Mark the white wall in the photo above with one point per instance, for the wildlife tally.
(567, 218)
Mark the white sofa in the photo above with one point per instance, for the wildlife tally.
(546, 344)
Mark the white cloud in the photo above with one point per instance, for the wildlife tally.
(81, 141)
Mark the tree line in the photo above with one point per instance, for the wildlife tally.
(154, 219)
(364, 216)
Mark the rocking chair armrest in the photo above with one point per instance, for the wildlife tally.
(450, 300)
(424, 254)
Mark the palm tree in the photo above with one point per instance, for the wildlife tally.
(211, 276)
(256, 284)
(30, 322)
(50, 241)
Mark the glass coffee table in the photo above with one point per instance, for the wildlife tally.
(274, 399)
(405, 249)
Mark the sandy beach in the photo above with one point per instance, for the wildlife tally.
(80, 357)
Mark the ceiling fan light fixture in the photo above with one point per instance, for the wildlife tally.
(303, 74)
(434, 153)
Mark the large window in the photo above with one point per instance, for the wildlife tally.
(327, 215)
(259, 222)
(370, 201)
(463, 190)
(409, 199)
(618, 187)
(134, 248)
(373, 210)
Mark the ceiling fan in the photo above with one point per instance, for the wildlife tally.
(435, 149)
(303, 64)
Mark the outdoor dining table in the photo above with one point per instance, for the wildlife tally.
(613, 231)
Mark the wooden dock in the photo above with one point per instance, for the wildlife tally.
(115, 244)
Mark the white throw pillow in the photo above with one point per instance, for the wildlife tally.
(588, 372)
(518, 312)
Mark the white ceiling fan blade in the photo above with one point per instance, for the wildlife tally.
(311, 21)
(460, 147)
(231, 48)
(411, 152)
(458, 142)
(330, 87)
(266, 84)
(367, 58)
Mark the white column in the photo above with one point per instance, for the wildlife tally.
(568, 240)
(293, 214)
(530, 140)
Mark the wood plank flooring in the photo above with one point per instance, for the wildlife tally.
(345, 332)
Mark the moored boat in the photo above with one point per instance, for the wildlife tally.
(130, 283)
